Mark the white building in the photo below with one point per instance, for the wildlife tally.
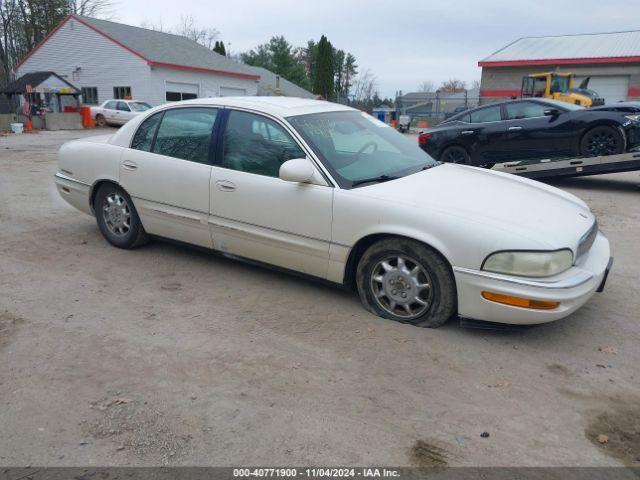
(111, 60)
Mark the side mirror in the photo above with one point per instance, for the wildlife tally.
(299, 170)
(552, 112)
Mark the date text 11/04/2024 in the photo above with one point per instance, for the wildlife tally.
(316, 472)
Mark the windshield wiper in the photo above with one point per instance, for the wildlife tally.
(378, 179)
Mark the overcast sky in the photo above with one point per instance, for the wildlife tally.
(402, 42)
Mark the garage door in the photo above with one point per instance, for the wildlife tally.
(176, 91)
(232, 92)
(613, 89)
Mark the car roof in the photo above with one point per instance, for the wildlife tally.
(278, 106)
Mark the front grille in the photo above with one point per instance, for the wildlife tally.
(587, 240)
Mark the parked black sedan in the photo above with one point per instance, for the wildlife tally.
(531, 129)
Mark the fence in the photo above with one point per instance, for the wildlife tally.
(435, 107)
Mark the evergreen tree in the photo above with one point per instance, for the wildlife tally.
(324, 70)
(218, 47)
(279, 57)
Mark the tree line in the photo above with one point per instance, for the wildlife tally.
(318, 67)
(24, 23)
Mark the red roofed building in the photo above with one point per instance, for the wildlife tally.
(612, 60)
(112, 60)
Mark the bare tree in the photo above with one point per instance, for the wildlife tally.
(427, 86)
(453, 85)
(475, 85)
(364, 86)
(92, 8)
(190, 29)
(158, 27)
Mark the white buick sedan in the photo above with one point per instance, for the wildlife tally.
(331, 192)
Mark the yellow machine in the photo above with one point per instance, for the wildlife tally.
(559, 86)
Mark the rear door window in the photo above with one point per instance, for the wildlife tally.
(143, 138)
(485, 115)
(186, 133)
(110, 105)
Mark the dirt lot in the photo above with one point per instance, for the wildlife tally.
(172, 355)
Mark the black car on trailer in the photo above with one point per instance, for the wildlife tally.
(531, 129)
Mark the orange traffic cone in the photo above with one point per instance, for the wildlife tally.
(29, 125)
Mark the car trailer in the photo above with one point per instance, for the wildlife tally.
(573, 167)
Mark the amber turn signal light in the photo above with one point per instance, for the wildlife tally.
(519, 301)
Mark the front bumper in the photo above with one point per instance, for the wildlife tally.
(571, 288)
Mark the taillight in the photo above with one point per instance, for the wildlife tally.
(423, 137)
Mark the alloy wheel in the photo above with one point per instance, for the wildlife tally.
(116, 214)
(401, 286)
(601, 143)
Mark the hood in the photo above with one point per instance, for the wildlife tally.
(547, 216)
(630, 107)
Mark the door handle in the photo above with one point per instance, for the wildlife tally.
(467, 132)
(225, 185)
(515, 129)
(129, 165)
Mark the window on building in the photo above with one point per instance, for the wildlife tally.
(178, 96)
(123, 93)
(186, 133)
(255, 144)
(90, 95)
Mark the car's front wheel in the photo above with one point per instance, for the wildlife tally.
(406, 281)
(117, 218)
(601, 141)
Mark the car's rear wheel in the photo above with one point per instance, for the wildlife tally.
(455, 154)
(600, 141)
(117, 217)
(101, 121)
(406, 281)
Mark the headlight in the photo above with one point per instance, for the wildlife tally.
(633, 118)
(529, 264)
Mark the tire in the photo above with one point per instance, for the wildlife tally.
(455, 154)
(600, 141)
(383, 280)
(101, 121)
(117, 218)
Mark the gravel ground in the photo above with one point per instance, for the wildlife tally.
(171, 355)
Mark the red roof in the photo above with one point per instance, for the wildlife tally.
(202, 64)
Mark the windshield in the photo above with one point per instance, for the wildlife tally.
(355, 146)
(139, 106)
